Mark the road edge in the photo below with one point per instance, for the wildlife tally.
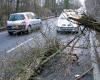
(96, 72)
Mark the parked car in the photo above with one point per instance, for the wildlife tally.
(64, 24)
(23, 22)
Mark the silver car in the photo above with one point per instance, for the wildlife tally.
(23, 22)
(63, 24)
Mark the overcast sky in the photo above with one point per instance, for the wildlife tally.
(42, 2)
(82, 2)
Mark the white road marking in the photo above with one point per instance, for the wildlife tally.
(19, 45)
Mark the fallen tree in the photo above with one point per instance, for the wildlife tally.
(87, 22)
(82, 19)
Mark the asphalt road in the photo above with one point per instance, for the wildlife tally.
(7, 42)
(10, 43)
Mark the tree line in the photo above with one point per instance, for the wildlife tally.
(50, 7)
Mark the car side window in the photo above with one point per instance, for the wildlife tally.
(30, 16)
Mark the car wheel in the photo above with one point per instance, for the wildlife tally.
(29, 30)
(10, 33)
(40, 26)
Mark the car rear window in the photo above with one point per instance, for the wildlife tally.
(15, 17)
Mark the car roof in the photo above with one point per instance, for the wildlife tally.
(23, 13)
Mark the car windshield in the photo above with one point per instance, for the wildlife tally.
(63, 16)
(15, 17)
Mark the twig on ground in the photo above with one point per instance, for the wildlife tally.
(84, 74)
